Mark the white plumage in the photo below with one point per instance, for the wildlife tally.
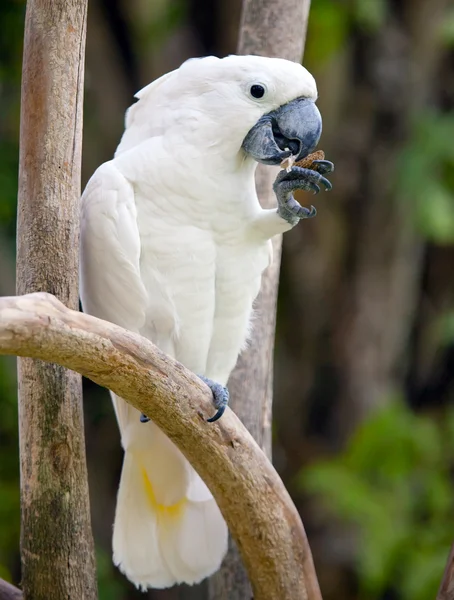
(173, 245)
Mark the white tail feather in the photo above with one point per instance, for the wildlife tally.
(168, 528)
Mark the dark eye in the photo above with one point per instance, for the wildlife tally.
(257, 91)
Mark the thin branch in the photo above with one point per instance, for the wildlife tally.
(9, 592)
(446, 591)
(253, 499)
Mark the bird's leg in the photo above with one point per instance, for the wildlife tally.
(299, 178)
(220, 397)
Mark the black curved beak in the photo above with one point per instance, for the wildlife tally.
(296, 126)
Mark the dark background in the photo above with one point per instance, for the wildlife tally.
(363, 413)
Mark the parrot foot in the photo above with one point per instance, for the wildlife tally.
(220, 397)
(299, 179)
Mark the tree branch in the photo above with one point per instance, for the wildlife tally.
(253, 499)
(446, 591)
(9, 592)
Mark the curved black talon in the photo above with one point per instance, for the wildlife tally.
(312, 212)
(220, 397)
(218, 415)
(327, 183)
(303, 178)
(323, 166)
(144, 418)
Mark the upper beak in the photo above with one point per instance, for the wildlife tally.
(296, 126)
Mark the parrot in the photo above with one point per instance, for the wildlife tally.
(173, 244)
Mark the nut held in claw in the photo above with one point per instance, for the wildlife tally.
(305, 163)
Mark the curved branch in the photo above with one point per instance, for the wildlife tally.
(250, 494)
(9, 592)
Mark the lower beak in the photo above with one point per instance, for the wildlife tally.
(292, 129)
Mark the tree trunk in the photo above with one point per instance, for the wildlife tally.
(56, 542)
(268, 28)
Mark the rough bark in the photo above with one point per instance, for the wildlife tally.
(253, 499)
(56, 541)
(268, 28)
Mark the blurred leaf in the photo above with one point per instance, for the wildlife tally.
(328, 29)
(425, 570)
(155, 31)
(447, 28)
(436, 213)
(444, 328)
(393, 482)
(370, 14)
(425, 176)
(5, 574)
(108, 587)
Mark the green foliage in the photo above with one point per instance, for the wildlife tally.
(9, 165)
(332, 21)
(447, 28)
(162, 22)
(11, 18)
(370, 14)
(9, 468)
(426, 176)
(393, 482)
(12, 13)
(327, 32)
(109, 588)
(444, 329)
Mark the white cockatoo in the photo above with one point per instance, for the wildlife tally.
(173, 246)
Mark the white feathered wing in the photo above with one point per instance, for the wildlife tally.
(168, 528)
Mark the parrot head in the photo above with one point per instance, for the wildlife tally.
(291, 123)
(270, 101)
(257, 107)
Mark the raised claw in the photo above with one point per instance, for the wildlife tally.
(327, 183)
(312, 212)
(308, 175)
(298, 178)
(323, 166)
(307, 213)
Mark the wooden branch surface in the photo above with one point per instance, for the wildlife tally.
(9, 592)
(253, 499)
